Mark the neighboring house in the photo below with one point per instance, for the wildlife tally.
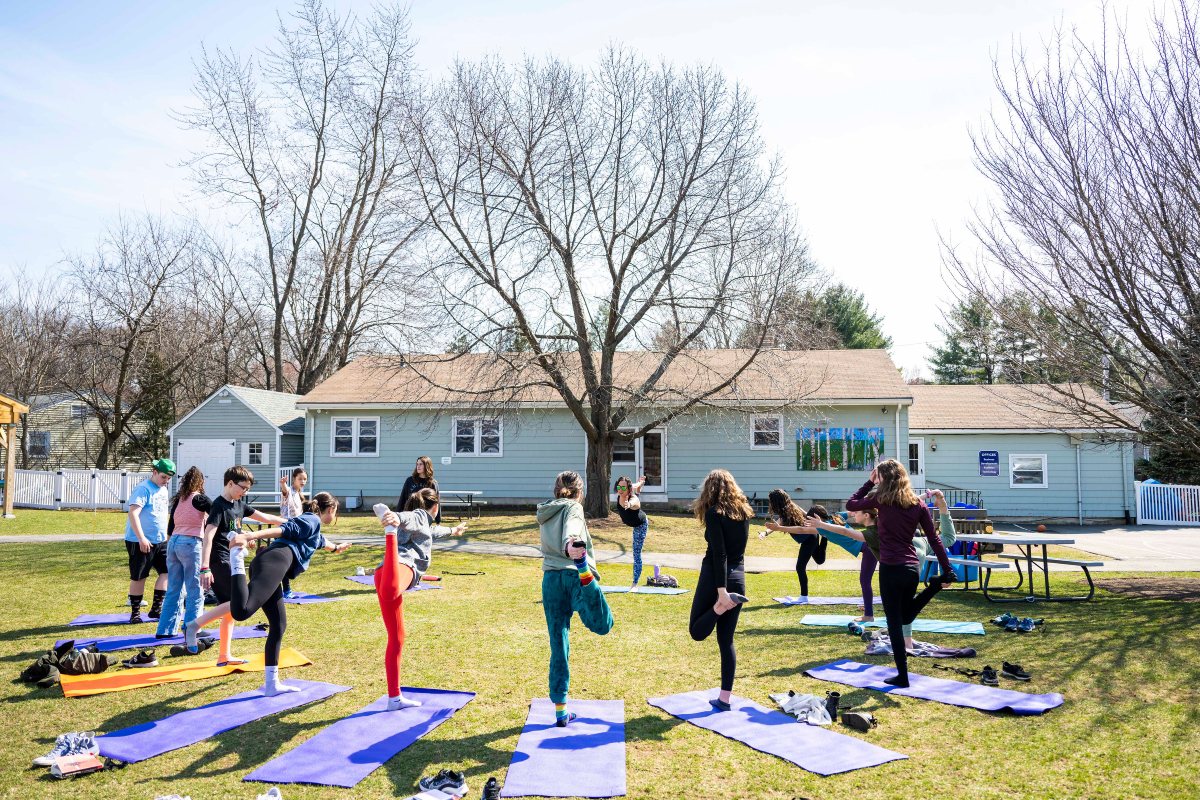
(1024, 449)
(255, 428)
(63, 433)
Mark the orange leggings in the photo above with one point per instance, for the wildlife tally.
(391, 580)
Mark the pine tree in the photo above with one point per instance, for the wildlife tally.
(845, 310)
(972, 350)
(157, 415)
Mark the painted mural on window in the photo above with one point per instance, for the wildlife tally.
(824, 449)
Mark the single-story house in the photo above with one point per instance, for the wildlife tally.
(258, 429)
(63, 433)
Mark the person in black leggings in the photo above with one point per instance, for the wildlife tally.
(721, 589)
(789, 517)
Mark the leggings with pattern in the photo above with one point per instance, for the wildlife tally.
(639, 539)
(392, 579)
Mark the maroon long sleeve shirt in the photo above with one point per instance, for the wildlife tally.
(896, 528)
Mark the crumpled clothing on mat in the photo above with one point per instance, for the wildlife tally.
(804, 707)
(881, 645)
(47, 670)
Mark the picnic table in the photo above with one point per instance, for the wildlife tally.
(464, 498)
(1025, 543)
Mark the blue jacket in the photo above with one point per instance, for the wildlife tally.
(303, 535)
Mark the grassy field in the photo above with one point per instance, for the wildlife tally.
(1127, 667)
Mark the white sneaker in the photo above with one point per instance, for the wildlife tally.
(271, 794)
(69, 744)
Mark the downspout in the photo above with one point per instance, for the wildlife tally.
(1124, 483)
(312, 436)
(899, 457)
(1078, 486)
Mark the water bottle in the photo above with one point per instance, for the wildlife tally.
(656, 572)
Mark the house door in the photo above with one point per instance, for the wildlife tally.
(212, 456)
(916, 463)
(643, 456)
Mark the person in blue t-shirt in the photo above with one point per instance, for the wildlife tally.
(146, 538)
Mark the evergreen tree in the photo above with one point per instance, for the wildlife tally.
(972, 350)
(846, 312)
(156, 386)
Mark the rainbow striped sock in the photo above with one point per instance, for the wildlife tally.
(585, 572)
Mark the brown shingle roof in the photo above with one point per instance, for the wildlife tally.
(1008, 407)
(775, 377)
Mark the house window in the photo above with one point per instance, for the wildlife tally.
(255, 451)
(79, 412)
(1027, 472)
(355, 436)
(767, 433)
(39, 444)
(478, 437)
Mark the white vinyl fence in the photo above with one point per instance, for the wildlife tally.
(1167, 504)
(74, 488)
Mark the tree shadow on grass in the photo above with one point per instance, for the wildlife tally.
(45, 630)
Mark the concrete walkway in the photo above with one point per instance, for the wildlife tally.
(1124, 549)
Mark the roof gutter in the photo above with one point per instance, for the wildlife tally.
(317, 405)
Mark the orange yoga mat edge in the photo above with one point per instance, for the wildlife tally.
(123, 680)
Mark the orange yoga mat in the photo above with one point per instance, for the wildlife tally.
(123, 680)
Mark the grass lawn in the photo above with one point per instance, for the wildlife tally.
(1128, 668)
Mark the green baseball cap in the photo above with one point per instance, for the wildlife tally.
(164, 465)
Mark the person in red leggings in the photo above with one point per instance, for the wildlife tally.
(408, 538)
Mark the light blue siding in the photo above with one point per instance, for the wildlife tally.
(1106, 474)
(233, 420)
(291, 450)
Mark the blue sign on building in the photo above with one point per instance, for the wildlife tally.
(989, 463)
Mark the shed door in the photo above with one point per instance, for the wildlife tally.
(212, 456)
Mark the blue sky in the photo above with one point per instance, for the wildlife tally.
(869, 103)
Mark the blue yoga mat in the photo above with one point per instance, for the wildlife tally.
(586, 758)
(150, 739)
(106, 619)
(109, 644)
(955, 693)
(352, 748)
(922, 625)
(809, 747)
(369, 580)
(642, 590)
(794, 600)
(303, 598)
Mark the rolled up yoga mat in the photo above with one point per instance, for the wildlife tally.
(106, 619)
(369, 580)
(150, 739)
(921, 625)
(809, 747)
(303, 598)
(109, 644)
(586, 758)
(792, 600)
(955, 693)
(122, 680)
(352, 748)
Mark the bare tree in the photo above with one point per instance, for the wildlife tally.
(32, 340)
(309, 139)
(1095, 156)
(581, 213)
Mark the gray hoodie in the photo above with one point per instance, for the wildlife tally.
(561, 521)
(414, 540)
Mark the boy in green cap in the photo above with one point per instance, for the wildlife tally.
(146, 538)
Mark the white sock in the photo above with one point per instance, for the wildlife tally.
(400, 701)
(237, 561)
(272, 685)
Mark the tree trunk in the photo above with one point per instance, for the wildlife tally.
(599, 469)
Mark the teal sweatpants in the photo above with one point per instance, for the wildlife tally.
(562, 596)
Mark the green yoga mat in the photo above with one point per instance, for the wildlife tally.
(921, 625)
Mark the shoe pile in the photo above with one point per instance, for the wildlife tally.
(69, 744)
(447, 781)
(1015, 624)
(202, 644)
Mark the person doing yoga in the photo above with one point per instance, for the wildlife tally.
(408, 546)
(790, 519)
(629, 507)
(900, 513)
(293, 544)
(570, 583)
(721, 589)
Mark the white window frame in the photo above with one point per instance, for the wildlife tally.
(478, 427)
(754, 431)
(250, 454)
(1045, 484)
(49, 444)
(356, 435)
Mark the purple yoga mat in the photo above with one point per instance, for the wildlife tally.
(955, 693)
(150, 739)
(108, 644)
(584, 759)
(105, 619)
(303, 598)
(352, 748)
(369, 580)
(809, 747)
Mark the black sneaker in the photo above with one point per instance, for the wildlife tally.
(491, 790)
(1015, 672)
(146, 658)
(448, 781)
(988, 677)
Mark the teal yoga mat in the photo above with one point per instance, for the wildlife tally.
(921, 625)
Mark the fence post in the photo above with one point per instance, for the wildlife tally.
(1137, 501)
(124, 497)
(58, 490)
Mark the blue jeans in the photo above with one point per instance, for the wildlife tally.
(183, 575)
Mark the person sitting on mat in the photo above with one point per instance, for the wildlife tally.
(570, 582)
(900, 512)
(721, 589)
(408, 545)
(629, 507)
(293, 544)
(790, 519)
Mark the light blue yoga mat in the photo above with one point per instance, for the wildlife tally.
(795, 600)
(642, 590)
(304, 598)
(922, 625)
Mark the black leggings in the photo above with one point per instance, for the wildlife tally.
(808, 546)
(704, 619)
(264, 591)
(902, 603)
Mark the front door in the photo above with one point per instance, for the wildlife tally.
(643, 456)
(212, 456)
(916, 463)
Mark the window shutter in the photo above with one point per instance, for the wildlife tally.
(245, 459)
(266, 454)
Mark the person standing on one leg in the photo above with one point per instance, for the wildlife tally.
(721, 589)
(146, 538)
(629, 507)
(292, 545)
(790, 519)
(183, 556)
(570, 583)
(291, 504)
(900, 513)
(408, 547)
